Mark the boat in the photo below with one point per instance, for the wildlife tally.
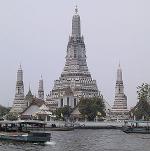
(60, 128)
(132, 126)
(19, 131)
(52, 126)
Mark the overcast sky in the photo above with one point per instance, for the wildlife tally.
(35, 33)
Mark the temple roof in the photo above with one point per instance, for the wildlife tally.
(29, 95)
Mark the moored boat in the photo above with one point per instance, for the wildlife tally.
(18, 131)
(142, 127)
(60, 128)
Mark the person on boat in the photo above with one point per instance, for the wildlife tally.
(136, 124)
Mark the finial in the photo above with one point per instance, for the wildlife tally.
(119, 64)
(20, 66)
(119, 67)
(41, 76)
(29, 87)
(76, 9)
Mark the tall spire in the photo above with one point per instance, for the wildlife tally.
(29, 87)
(41, 89)
(20, 74)
(19, 84)
(76, 9)
(120, 103)
(119, 73)
(76, 30)
(20, 66)
(29, 94)
(41, 83)
(19, 104)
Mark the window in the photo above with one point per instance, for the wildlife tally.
(75, 102)
(61, 103)
(67, 101)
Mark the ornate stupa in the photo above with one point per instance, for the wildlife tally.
(19, 104)
(119, 109)
(75, 76)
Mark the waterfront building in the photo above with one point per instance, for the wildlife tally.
(38, 109)
(119, 109)
(44, 113)
(32, 109)
(75, 80)
(19, 104)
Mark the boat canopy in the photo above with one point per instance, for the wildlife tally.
(30, 122)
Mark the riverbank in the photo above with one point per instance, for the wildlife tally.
(88, 125)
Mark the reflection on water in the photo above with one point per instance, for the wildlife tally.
(50, 143)
(86, 140)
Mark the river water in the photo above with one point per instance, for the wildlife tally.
(86, 140)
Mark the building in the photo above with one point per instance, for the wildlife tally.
(29, 106)
(52, 104)
(19, 104)
(119, 109)
(32, 109)
(36, 108)
(75, 78)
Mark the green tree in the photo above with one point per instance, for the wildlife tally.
(3, 111)
(63, 112)
(90, 107)
(12, 116)
(143, 92)
(142, 108)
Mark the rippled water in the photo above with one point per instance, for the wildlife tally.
(86, 140)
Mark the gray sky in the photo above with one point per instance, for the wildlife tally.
(35, 33)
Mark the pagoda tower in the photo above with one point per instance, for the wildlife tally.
(75, 76)
(120, 104)
(41, 89)
(19, 104)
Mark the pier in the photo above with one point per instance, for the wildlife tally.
(88, 125)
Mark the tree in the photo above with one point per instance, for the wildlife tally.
(3, 111)
(12, 116)
(142, 108)
(91, 107)
(143, 92)
(63, 112)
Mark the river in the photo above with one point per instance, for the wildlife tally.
(86, 140)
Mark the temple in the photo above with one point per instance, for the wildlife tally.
(75, 80)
